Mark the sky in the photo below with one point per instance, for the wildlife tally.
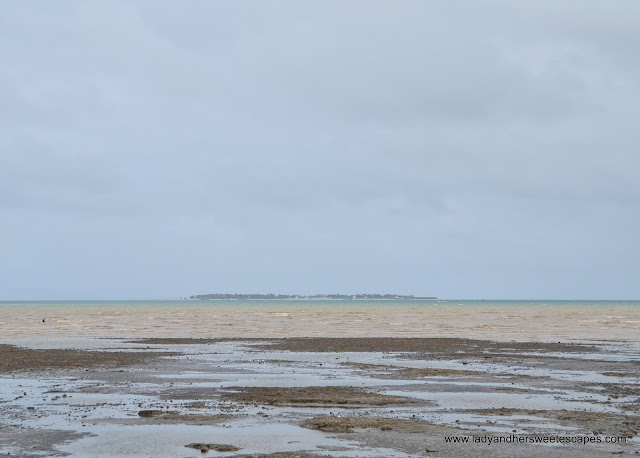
(459, 149)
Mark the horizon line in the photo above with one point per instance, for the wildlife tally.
(432, 298)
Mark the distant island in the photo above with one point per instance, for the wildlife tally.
(333, 297)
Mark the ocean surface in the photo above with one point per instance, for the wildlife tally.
(481, 319)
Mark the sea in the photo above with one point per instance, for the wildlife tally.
(518, 320)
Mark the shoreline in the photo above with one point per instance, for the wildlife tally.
(252, 380)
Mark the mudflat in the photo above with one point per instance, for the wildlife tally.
(14, 358)
(387, 344)
(339, 397)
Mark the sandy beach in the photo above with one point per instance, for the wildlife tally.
(175, 390)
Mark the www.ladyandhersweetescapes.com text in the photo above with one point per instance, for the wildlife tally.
(536, 439)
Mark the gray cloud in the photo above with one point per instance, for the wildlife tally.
(459, 149)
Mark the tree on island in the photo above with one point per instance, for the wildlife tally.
(271, 296)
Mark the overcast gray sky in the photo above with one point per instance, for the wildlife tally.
(464, 149)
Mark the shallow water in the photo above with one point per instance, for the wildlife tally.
(501, 320)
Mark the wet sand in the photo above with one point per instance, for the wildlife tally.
(339, 397)
(20, 359)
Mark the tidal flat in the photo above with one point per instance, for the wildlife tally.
(308, 397)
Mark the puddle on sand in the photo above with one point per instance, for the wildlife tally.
(170, 440)
(501, 424)
(525, 401)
